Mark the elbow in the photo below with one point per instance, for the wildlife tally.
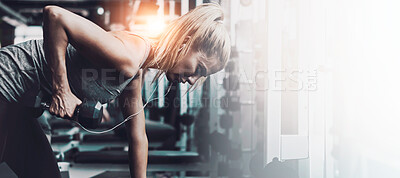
(51, 13)
(139, 142)
(138, 139)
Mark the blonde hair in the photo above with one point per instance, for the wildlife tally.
(208, 35)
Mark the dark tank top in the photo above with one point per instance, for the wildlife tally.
(24, 71)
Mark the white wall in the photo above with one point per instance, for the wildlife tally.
(353, 113)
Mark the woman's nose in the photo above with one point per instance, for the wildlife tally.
(192, 79)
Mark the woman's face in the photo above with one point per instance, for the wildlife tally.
(193, 66)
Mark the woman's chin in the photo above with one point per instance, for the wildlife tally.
(171, 79)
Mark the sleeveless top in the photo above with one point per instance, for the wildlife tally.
(24, 71)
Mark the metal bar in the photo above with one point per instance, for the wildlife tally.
(184, 7)
(272, 127)
(13, 13)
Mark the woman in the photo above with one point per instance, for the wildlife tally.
(100, 65)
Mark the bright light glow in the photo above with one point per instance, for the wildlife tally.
(24, 33)
(363, 46)
(100, 11)
(354, 113)
(155, 26)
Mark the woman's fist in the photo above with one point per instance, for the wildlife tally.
(63, 104)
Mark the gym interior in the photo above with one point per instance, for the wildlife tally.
(310, 91)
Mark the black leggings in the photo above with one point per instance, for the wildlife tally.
(23, 145)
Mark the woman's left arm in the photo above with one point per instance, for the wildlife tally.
(130, 102)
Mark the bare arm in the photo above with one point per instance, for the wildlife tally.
(90, 40)
(55, 43)
(130, 102)
(61, 27)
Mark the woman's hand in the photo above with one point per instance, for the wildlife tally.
(63, 103)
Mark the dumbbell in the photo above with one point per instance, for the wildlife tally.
(186, 119)
(230, 67)
(231, 83)
(88, 114)
(226, 121)
(231, 103)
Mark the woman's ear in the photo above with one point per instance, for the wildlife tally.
(187, 38)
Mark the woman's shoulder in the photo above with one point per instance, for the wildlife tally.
(137, 45)
(131, 37)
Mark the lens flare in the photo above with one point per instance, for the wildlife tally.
(155, 26)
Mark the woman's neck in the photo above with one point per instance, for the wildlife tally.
(150, 61)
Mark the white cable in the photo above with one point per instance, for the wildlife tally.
(130, 116)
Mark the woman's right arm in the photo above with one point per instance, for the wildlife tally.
(61, 27)
(55, 44)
